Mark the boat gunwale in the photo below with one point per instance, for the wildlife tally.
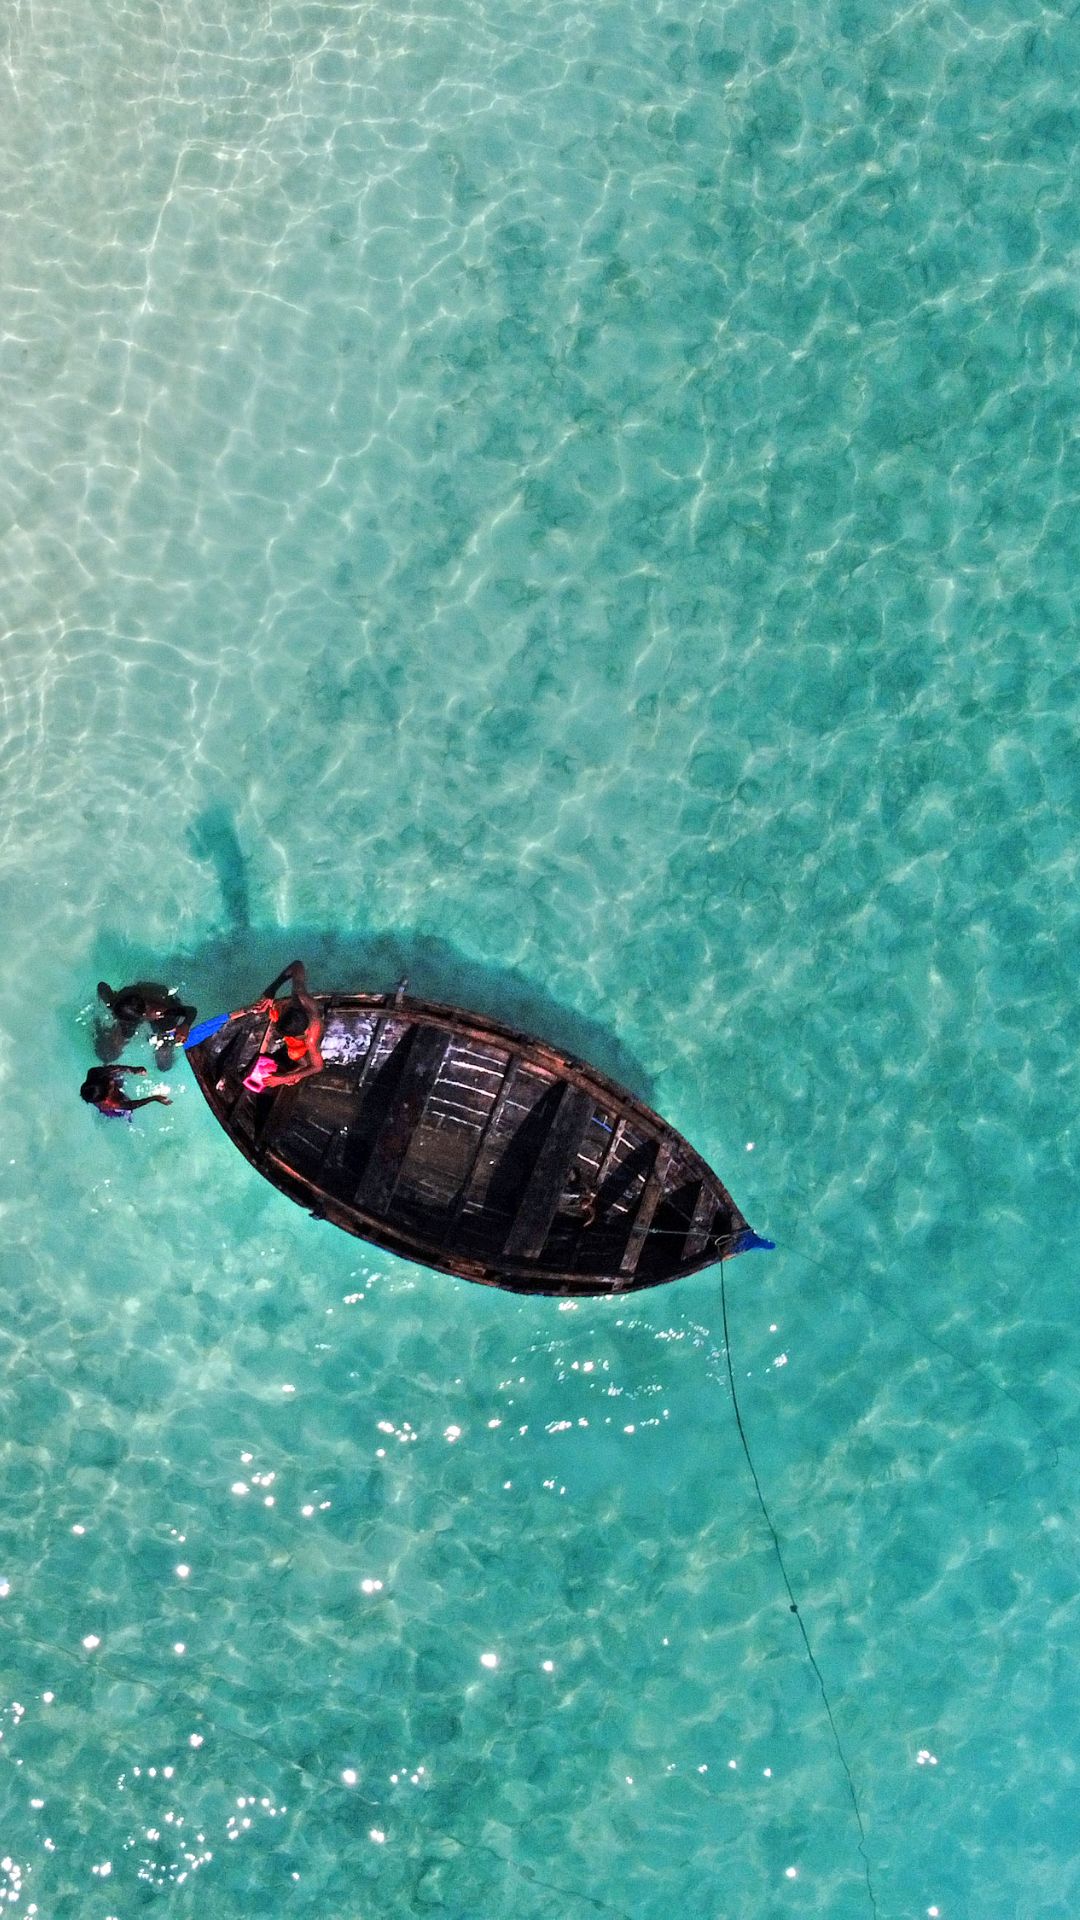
(532, 1278)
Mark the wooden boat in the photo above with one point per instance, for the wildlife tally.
(458, 1143)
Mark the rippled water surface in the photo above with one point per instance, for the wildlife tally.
(579, 504)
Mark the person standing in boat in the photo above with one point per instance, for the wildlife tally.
(163, 1011)
(103, 1089)
(299, 1029)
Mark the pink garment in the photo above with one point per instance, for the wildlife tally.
(261, 1072)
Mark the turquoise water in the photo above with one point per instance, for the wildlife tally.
(580, 505)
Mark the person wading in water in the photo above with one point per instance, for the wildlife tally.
(146, 1001)
(103, 1089)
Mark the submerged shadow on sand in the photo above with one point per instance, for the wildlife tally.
(230, 969)
(213, 839)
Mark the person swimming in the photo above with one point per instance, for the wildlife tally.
(104, 1090)
(299, 1029)
(149, 1002)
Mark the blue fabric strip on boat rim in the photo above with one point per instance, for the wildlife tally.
(205, 1029)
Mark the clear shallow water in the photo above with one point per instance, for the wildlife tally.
(581, 505)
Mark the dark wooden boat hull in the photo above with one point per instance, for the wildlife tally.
(462, 1145)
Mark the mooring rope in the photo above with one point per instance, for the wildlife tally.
(793, 1603)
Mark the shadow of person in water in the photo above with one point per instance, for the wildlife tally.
(212, 838)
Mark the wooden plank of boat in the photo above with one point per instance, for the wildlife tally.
(469, 1191)
(700, 1220)
(427, 1050)
(462, 1144)
(270, 1121)
(647, 1205)
(540, 1200)
(378, 1034)
(611, 1151)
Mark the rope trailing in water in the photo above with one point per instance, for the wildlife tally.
(793, 1602)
